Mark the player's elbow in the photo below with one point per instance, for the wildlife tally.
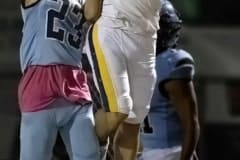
(195, 130)
(192, 125)
(189, 117)
(195, 124)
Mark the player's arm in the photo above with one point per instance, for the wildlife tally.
(183, 97)
(92, 10)
(28, 3)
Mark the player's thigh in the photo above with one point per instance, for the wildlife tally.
(110, 68)
(142, 74)
(80, 137)
(37, 135)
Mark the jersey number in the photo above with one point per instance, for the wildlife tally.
(147, 128)
(58, 33)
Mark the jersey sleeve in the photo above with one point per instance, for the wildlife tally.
(183, 69)
(181, 66)
(175, 66)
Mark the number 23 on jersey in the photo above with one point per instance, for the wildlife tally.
(67, 14)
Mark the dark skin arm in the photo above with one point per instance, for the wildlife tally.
(92, 10)
(183, 97)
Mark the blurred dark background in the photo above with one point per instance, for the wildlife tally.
(211, 33)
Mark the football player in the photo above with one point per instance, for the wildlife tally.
(53, 92)
(121, 49)
(171, 129)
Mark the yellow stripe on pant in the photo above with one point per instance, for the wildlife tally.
(104, 72)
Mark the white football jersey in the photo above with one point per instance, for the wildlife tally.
(140, 16)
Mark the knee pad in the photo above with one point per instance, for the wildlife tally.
(125, 102)
(137, 117)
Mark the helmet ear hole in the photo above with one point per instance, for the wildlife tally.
(170, 25)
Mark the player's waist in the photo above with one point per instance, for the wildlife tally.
(161, 153)
(45, 84)
(160, 141)
(132, 17)
(138, 27)
(28, 60)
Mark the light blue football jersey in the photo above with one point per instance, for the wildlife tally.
(161, 128)
(52, 33)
